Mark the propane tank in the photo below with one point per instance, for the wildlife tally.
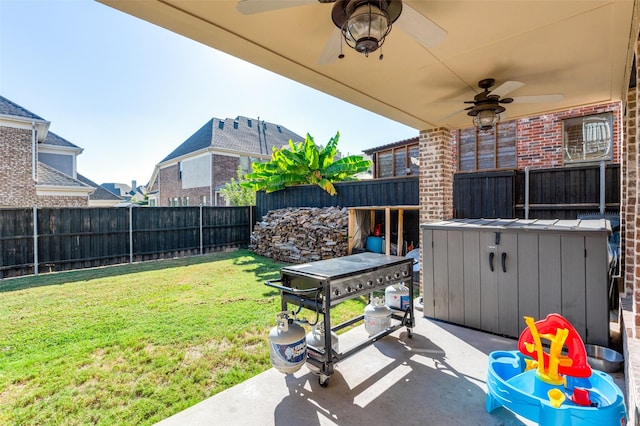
(315, 338)
(377, 316)
(287, 344)
(397, 296)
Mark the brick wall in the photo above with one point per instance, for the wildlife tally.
(62, 201)
(436, 175)
(539, 142)
(17, 188)
(171, 187)
(224, 168)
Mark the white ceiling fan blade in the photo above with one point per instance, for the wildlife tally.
(425, 31)
(249, 7)
(537, 99)
(332, 48)
(507, 87)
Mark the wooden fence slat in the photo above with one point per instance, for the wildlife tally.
(74, 238)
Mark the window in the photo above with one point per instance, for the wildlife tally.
(588, 139)
(185, 202)
(180, 170)
(490, 150)
(203, 200)
(400, 161)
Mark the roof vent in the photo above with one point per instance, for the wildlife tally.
(235, 124)
(279, 128)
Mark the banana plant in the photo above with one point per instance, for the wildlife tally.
(304, 163)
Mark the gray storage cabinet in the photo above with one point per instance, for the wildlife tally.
(490, 273)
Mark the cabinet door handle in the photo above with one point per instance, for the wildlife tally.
(491, 256)
(504, 262)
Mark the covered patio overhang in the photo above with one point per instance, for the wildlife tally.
(581, 51)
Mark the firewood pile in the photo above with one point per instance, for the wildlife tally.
(299, 235)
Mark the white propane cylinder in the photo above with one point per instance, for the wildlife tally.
(287, 344)
(377, 316)
(397, 296)
(315, 338)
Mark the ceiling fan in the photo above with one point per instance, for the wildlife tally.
(487, 105)
(362, 24)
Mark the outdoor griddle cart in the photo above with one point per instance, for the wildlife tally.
(319, 286)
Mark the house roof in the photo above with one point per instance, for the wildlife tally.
(397, 144)
(240, 134)
(47, 175)
(100, 193)
(10, 108)
(56, 140)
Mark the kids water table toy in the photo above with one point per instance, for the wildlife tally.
(552, 388)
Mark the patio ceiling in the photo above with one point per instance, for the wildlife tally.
(579, 49)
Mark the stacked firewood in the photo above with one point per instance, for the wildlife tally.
(300, 235)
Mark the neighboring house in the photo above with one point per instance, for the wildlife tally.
(579, 136)
(395, 159)
(100, 197)
(38, 167)
(134, 193)
(567, 138)
(195, 171)
(120, 189)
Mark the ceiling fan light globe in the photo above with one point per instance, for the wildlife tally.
(486, 119)
(366, 28)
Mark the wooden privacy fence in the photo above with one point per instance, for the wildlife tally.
(558, 193)
(74, 238)
(371, 192)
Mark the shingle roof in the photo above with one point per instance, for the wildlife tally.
(47, 175)
(101, 193)
(240, 134)
(370, 151)
(9, 108)
(53, 139)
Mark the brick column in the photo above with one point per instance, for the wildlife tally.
(632, 246)
(436, 178)
(436, 175)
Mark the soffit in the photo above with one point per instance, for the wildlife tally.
(579, 49)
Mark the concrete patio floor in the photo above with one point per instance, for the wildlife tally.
(435, 378)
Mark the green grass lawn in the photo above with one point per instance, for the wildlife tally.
(135, 344)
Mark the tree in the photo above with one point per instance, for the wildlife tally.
(237, 194)
(305, 163)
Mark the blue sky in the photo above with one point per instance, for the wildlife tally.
(129, 92)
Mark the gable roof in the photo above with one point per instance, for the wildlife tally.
(47, 175)
(10, 108)
(15, 113)
(101, 193)
(56, 140)
(397, 144)
(240, 134)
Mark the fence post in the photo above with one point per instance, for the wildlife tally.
(526, 192)
(602, 187)
(130, 234)
(35, 240)
(201, 242)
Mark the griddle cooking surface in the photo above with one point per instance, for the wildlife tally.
(344, 266)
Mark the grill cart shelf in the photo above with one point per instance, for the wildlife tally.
(320, 286)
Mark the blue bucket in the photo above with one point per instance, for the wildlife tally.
(375, 244)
